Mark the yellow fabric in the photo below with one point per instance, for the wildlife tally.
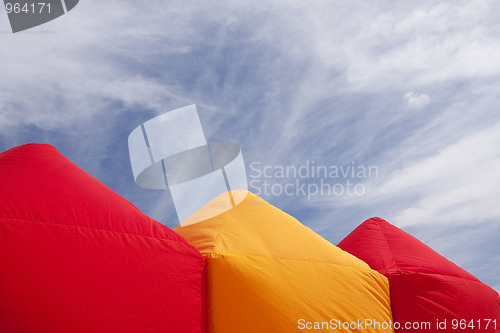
(266, 272)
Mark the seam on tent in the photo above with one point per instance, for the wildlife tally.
(437, 274)
(186, 243)
(223, 217)
(215, 255)
(389, 247)
(398, 270)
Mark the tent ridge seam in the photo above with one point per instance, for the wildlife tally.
(92, 228)
(216, 254)
(389, 246)
(223, 217)
(403, 272)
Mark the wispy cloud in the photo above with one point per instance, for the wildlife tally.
(457, 185)
(416, 101)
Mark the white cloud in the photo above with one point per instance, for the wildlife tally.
(416, 101)
(457, 185)
(411, 46)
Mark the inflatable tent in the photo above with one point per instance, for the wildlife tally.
(425, 286)
(269, 273)
(77, 257)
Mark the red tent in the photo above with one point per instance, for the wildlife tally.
(425, 286)
(77, 257)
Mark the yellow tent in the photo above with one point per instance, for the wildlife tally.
(269, 273)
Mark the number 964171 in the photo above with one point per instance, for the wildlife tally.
(33, 8)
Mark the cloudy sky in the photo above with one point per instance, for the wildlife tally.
(411, 89)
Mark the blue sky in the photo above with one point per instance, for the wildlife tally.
(411, 88)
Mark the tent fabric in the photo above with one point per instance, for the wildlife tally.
(425, 286)
(266, 272)
(77, 257)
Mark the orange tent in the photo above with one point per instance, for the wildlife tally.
(269, 273)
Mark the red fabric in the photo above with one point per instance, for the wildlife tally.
(424, 286)
(77, 257)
